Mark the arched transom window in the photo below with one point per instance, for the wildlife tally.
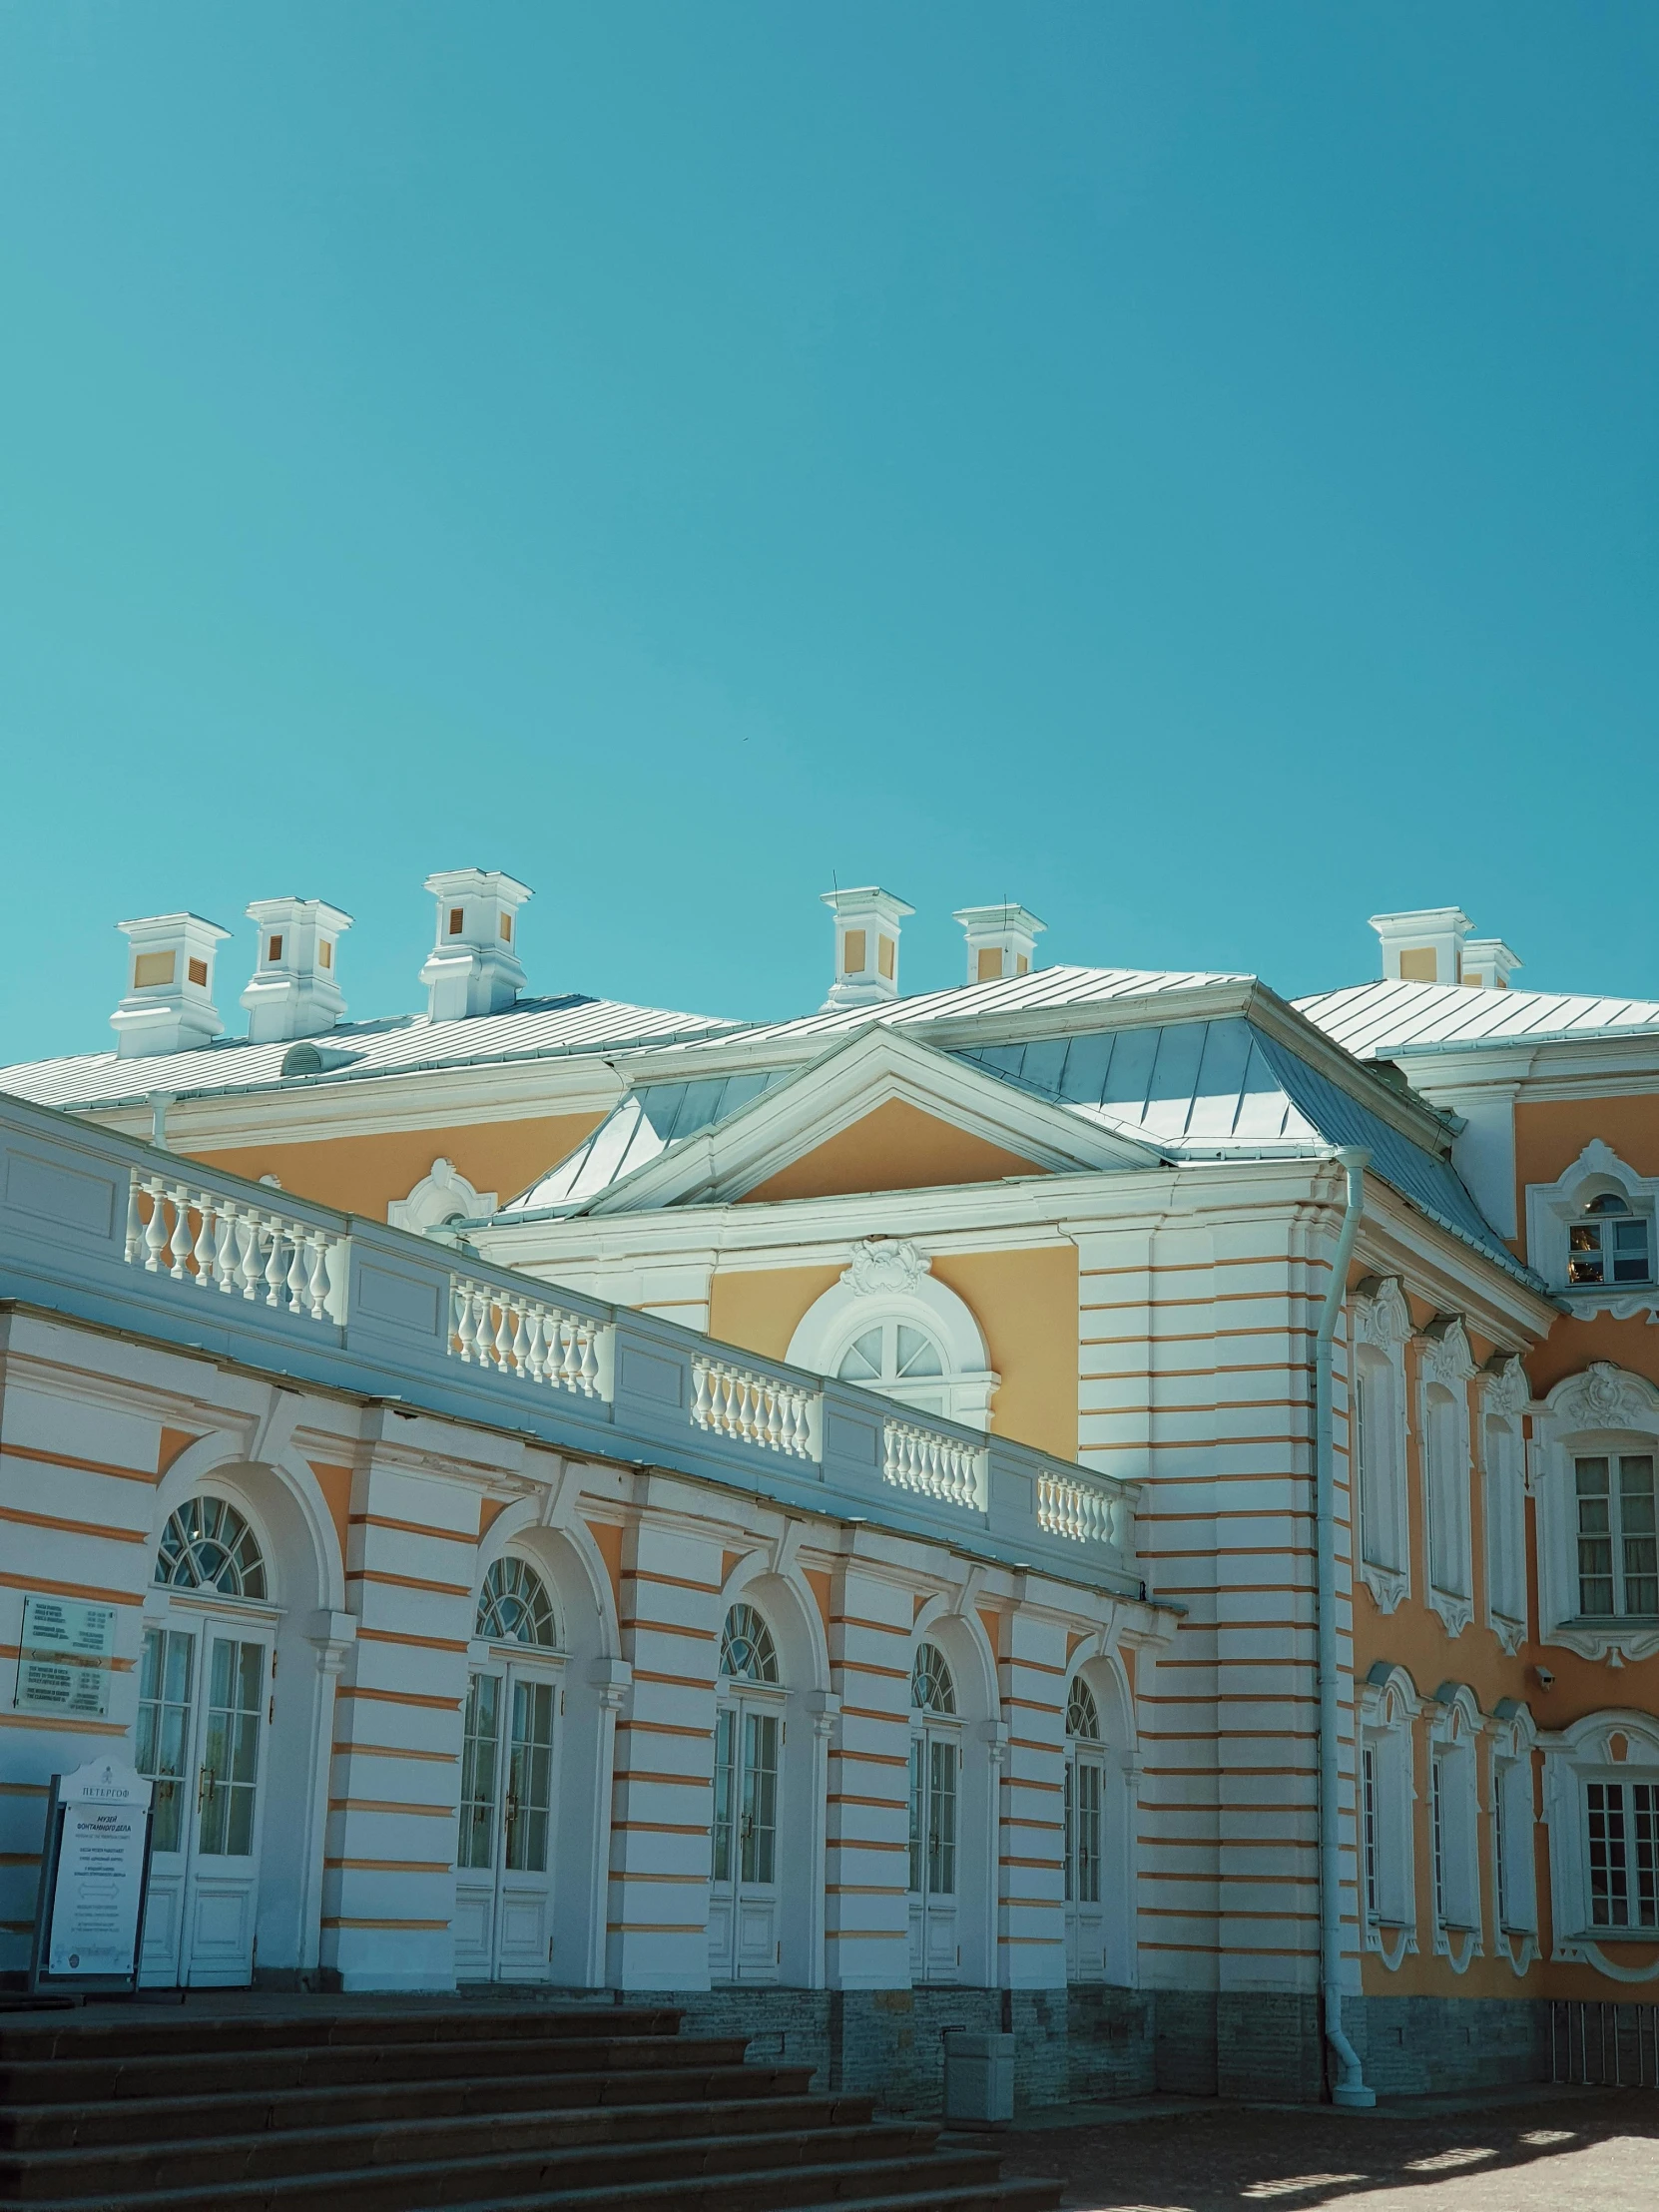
(207, 1546)
(747, 1651)
(932, 1689)
(514, 1608)
(1082, 1713)
(891, 1355)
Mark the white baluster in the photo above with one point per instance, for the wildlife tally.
(135, 1220)
(154, 1229)
(318, 1287)
(297, 1275)
(205, 1244)
(179, 1235)
(276, 1272)
(521, 1345)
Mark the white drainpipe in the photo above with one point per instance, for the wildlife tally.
(1350, 2087)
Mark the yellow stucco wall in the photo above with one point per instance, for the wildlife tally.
(894, 1148)
(363, 1174)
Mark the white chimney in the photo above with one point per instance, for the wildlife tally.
(295, 990)
(866, 947)
(473, 967)
(1488, 963)
(169, 1005)
(1422, 948)
(1001, 941)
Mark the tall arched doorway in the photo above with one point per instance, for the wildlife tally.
(504, 1846)
(745, 1943)
(935, 1792)
(206, 1701)
(1084, 1836)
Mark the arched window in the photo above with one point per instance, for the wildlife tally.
(888, 1325)
(1082, 1713)
(207, 1546)
(514, 1608)
(932, 1689)
(747, 1651)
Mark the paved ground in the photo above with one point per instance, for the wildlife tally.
(1554, 2152)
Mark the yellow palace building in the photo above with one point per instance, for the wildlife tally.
(1098, 1502)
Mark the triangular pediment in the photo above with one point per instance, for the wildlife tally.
(896, 1146)
(877, 1111)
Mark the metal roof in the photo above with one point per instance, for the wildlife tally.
(358, 1049)
(1373, 1021)
(405, 1043)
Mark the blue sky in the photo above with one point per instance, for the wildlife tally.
(1188, 468)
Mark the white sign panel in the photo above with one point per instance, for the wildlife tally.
(66, 1655)
(98, 1892)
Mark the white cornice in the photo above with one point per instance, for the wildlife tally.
(306, 1111)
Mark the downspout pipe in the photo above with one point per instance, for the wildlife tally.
(1350, 2088)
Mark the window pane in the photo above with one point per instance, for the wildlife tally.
(1640, 1546)
(862, 1362)
(1609, 1874)
(725, 1750)
(916, 1353)
(1595, 1538)
(1644, 1820)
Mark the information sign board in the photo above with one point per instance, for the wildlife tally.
(94, 1875)
(65, 1656)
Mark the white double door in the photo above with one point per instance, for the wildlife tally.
(205, 1701)
(745, 1942)
(935, 1774)
(504, 1850)
(1085, 1918)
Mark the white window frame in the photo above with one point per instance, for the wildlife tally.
(1386, 1826)
(1600, 1413)
(1512, 1812)
(1504, 1397)
(1454, 1778)
(1445, 1368)
(1381, 1326)
(1553, 1207)
(1611, 1745)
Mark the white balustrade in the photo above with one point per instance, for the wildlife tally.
(938, 1465)
(1083, 1513)
(531, 1338)
(752, 1408)
(234, 1245)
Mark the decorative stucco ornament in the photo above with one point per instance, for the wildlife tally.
(884, 1266)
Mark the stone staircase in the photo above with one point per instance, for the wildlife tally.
(479, 2108)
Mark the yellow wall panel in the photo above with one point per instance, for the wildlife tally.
(363, 1174)
(896, 1148)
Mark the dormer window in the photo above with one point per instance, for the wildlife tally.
(1609, 1244)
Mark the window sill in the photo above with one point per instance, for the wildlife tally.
(1621, 1300)
(1620, 1640)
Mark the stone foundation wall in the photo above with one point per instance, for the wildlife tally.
(1090, 2044)
(1418, 2047)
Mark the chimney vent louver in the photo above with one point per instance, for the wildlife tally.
(866, 947)
(295, 990)
(473, 966)
(168, 1006)
(1001, 941)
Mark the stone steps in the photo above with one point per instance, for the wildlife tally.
(65, 2125)
(468, 2108)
